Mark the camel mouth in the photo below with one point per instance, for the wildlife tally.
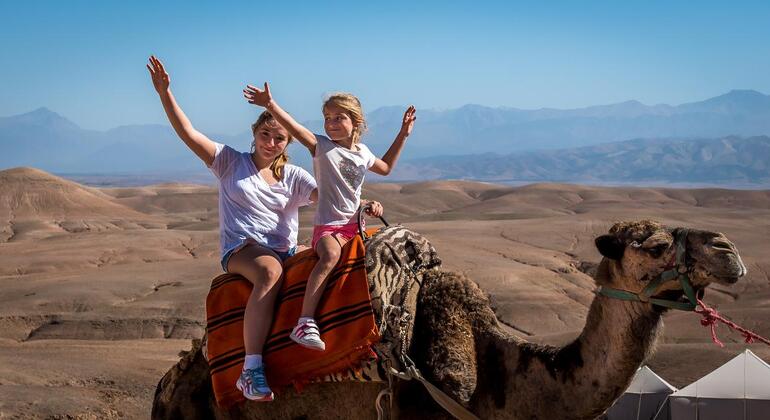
(727, 258)
(732, 272)
(728, 280)
(724, 267)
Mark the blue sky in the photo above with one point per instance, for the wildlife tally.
(85, 59)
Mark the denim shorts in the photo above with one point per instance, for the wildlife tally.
(283, 255)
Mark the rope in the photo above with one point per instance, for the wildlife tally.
(710, 319)
(450, 405)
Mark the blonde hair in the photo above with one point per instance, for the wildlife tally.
(353, 108)
(280, 161)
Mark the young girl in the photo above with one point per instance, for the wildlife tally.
(340, 162)
(259, 199)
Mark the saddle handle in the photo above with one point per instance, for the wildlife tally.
(361, 211)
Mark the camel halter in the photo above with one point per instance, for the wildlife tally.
(677, 272)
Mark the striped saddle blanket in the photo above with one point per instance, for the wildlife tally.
(344, 316)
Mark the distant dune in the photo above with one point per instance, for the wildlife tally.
(29, 192)
(102, 287)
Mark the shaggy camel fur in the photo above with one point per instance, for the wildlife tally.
(460, 347)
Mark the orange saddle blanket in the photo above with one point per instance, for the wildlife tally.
(344, 316)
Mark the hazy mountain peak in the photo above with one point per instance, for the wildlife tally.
(741, 96)
(41, 117)
(40, 113)
(737, 100)
(744, 93)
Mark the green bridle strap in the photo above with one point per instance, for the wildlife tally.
(679, 272)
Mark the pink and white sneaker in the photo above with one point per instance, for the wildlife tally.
(307, 334)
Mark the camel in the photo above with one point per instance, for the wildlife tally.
(460, 346)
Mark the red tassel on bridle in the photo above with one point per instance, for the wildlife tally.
(710, 318)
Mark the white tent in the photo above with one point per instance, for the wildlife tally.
(739, 389)
(643, 398)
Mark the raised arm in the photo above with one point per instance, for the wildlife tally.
(201, 145)
(388, 162)
(264, 99)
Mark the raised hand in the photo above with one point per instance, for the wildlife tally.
(258, 97)
(159, 76)
(408, 122)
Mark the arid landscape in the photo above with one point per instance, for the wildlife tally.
(101, 288)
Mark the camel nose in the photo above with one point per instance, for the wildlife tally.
(721, 243)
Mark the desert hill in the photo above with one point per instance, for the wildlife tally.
(29, 192)
(34, 204)
(117, 303)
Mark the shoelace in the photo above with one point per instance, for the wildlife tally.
(257, 377)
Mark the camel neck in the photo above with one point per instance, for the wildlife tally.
(584, 377)
(617, 338)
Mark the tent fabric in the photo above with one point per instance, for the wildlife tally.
(739, 389)
(639, 406)
(643, 397)
(745, 376)
(691, 408)
(648, 382)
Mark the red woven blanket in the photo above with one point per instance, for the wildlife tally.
(344, 316)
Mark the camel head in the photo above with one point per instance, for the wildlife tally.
(638, 252)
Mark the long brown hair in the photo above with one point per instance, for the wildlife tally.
(280, 161)
(353, 108)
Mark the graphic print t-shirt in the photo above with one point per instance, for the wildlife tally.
(339, 173)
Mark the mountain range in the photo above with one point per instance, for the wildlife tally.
(472, 141)
(729, 161)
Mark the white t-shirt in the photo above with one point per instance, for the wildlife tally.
(340, 174)
(250, 209)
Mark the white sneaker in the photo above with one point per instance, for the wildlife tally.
(307, 334)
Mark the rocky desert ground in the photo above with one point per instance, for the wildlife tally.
(101, 288)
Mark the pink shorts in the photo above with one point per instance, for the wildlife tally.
(346, 232)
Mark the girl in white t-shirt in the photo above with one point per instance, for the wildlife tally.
(339, 162)
(259, 199)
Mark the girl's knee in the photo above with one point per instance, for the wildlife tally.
(329, 257)
(269, 273)
(261, 273)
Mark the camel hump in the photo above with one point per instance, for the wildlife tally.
(396, 260)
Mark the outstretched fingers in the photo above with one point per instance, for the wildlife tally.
(409, 115)
(249, 92)
(256, 96)
(158, 65)
(160, 78)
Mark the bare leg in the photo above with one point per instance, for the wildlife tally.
(263, 269)
(328, 250)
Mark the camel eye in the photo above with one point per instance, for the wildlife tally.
(636, 244)
(657, 250)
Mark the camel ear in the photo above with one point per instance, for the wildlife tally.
(610, 246)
